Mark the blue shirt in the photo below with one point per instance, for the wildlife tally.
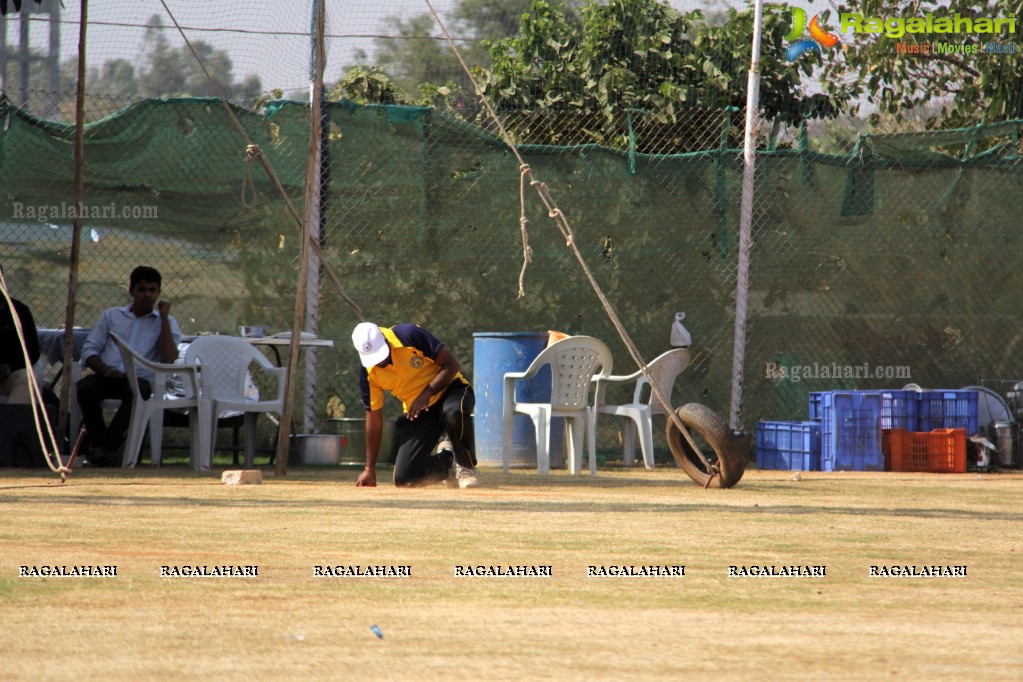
(141, 333)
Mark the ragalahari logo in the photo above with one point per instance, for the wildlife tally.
(818, 39)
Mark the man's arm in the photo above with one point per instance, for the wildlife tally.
(168, 346)
(449, 369)
(92, 351)
(374, 431)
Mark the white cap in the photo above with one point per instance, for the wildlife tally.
(371, 344)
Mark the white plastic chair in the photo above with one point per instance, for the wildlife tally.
(663, 369)
(573, 363)
(149, 411)
(223, 367)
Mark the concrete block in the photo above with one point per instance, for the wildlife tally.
(242, 477)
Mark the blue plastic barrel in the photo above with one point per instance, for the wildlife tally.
(495, 353)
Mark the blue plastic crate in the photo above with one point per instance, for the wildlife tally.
(947, 410)
(899, 410)
(794, 446)
(851, 431)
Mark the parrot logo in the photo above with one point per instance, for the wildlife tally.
(818, 36)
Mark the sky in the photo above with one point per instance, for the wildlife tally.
(269, 38)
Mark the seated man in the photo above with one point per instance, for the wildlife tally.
(149, 329)
(13, 372)
(415, 367)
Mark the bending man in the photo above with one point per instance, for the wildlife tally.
(415, 367)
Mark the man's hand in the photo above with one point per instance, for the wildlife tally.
(163, 307)
(112, 373)
(367, 479)
(421, 403)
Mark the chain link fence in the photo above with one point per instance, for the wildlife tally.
(878, 260)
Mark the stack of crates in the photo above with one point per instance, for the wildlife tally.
(843, 434)
(852, 431)
(937, 441)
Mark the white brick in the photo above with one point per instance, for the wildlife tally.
(242, 477)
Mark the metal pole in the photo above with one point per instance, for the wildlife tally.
(3, 53)
(745, 220)
(24, 58)
(53, 59)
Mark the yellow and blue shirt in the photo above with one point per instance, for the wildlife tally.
(413, 365)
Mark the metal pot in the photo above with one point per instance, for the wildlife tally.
(252, 331)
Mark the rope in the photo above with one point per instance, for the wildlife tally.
(251, 152)
(561, 221)
(35, 394)
(527, 252)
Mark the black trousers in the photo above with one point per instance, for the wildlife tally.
(414, 464)
(92, 391)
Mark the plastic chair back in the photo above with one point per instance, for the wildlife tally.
(573, 362)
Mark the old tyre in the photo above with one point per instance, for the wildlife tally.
(718, 445)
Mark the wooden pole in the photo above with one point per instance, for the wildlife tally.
(311, 179)
(76, 233)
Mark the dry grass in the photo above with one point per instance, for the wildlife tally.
(286, 624)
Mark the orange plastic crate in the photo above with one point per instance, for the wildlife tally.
(939, 451)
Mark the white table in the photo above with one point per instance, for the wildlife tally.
(286, 341)
(275, 342)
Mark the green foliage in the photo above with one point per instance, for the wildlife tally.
(447, 97)
(535, 69)
(371, 85)
(968, 88)
(415, 54)
(367, 84)
(643, 55)
(266, 98)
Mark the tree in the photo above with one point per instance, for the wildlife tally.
(969, 88)
(417, 58)
(116, 77)
(414, 55)
(165, 74)
(642, 55)
(175, 71)
(488, 18)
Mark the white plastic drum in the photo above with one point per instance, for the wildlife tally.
(1003, 441)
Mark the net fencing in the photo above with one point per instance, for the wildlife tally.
(878, 259)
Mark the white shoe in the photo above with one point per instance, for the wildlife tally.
(444, 444)
(466, 476)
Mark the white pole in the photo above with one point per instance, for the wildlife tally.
(745, 220)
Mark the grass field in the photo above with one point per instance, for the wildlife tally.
(287, 624)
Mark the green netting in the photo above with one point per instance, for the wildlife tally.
(895, 255)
